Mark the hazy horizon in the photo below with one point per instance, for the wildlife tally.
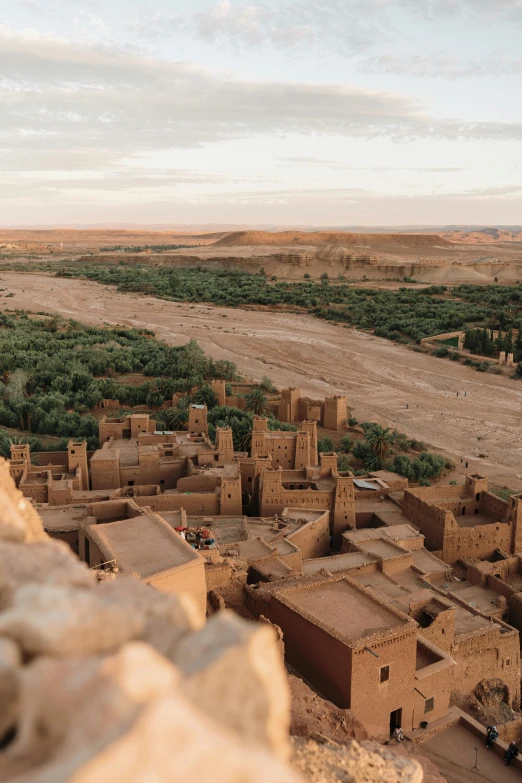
(255, 113)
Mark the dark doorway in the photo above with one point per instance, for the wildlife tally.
(395, 720)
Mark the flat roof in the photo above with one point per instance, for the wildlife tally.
(145, 545)
(427, 562)
(251, 550)
(342, 609)
(334, 563)
(381, 548)
(399, 532)
(105, 454)
(477, 520)
(62, 520)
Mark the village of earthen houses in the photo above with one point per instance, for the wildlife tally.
(394, 603)
(261, 391)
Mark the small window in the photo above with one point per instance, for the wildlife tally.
(384, 674)
(229, 497)
(507, 663)
(250, 479)
(162, 481)
(131, 483)
(429, 705)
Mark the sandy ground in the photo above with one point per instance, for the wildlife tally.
(378, 377)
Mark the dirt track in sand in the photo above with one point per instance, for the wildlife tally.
(378, 377)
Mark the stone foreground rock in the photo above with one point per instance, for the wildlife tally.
(353, 763)
(117, 682)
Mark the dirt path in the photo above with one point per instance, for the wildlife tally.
(378, 377)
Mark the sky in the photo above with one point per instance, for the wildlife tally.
(273, 112)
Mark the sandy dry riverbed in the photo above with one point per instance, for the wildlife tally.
(379, 378)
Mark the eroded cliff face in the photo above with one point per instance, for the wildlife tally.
(114, 681)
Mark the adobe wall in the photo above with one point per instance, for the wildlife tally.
(441, 632)
(314, 653)
(113, 428)
(105, 474)
(275, 503)
(196, 504)
(112, 510)
(236, 402)
(432, 682)
(29, 489)
(491, 504)
(477, 542)
(218, 574)
(281, 449)
(335, 415)
(60, 495)
(69, 537)
(310, 410)
(219, 388)
(199, 482)
(230, 497)
(431, 520)
(515, 611)
(373, 701)
(487, 655)
(313, 539)
(189, 578)
(499, 587)
(288, 409)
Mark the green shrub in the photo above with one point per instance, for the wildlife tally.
(325, 445)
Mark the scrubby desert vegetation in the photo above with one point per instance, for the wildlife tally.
(407, 313)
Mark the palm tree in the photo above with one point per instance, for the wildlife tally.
(176, 418)
(256, 402)
(206, 396)
(380, 440)
(7, 440)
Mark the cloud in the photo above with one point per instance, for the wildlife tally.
(488, 193)
(61, 95)
(295, 26)
(337, 164)
(501, 9)
(72, 96)
(442, 67)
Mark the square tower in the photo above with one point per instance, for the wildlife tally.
(77, 458)
(197, 422)
(335, 412)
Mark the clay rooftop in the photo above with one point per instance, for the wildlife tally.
(61, 519)
(476, 520)
(347, 612)
(402, 532)
(145, 545)
(336, 563)
(382, 549)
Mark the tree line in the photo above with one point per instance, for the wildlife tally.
(54, 371)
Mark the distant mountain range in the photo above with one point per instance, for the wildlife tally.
(484, 236)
